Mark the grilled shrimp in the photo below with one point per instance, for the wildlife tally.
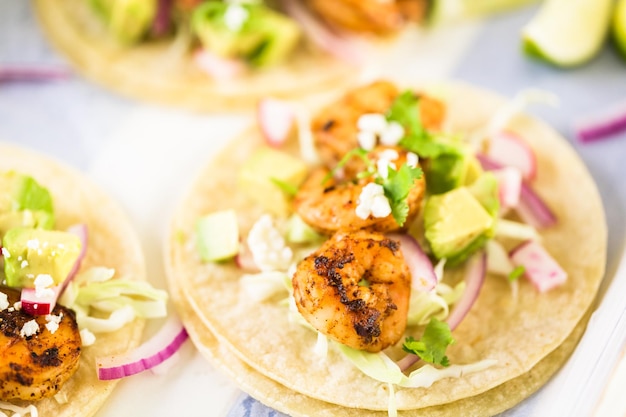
(335, 127)
(331, 205)
(373, 16)
(355, 289)
(35, 367)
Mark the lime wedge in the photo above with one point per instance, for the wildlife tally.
(567, 33)
(619, 26)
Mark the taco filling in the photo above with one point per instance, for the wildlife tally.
(66, 304)
(388, 275)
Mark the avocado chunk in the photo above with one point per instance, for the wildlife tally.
(456, 224)
(24, 202)
(252, 32)
(217, 236)
(31, 252)
(127, 20)
(261, 174)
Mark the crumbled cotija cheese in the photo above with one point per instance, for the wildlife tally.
(53, 322)
(87, 337)
(43, 282)
(30, 328)
(4, 301)
(268, 246)
(372, 201)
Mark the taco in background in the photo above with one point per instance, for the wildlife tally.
(208, 55)
(74, 290)
(255, 308)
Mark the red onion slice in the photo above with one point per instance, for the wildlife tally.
(32, 74)
(509, 186)
(222, 69)
(163, 18)
(42, 305)
(476, 270)
(343, 47)
(602, 126)
(508, 149)
(276, 119)
(165, 343)
(539, 267)
(423, 277)
(531, 208)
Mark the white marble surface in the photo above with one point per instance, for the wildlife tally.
(146, 155)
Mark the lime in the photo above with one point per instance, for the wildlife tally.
(619, 26)
(567, 33)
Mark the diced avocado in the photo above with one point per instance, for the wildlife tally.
(217, 236)
(445, 172)
(24, 202)
(260, 174)
(300, 232)
(252, 32)
(455, 222)
(473, 170)
(128, 20)
(485, 191)
(31, 252)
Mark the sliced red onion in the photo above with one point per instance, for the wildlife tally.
(531, 208)
(423, 277)
(276, 119)
(510, 150)
(539, 267)
(44, 304)
(475, 272)
(32, 74)
(163, 19)
(217, 67)
(509, 186)
(602, 126)
(165, 343)
(344, 47)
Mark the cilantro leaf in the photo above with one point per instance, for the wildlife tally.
(516, 273)
(397, 186)
(289, 189)
(433, 344)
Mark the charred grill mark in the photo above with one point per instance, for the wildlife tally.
(50, 357)
(390, 244)
(328, 125)
(367, 326)
(327, 268)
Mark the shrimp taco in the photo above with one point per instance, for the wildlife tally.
(435, 255)
(218, 55)
(74, 294)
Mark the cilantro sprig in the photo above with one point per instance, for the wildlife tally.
(397, 187)
(433, 343)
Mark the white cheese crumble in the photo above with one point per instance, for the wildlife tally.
(372, 201)
(412, 159)
(87, 337)
(53, 322)
(17, 305)
(24, 264)
(5, 253)
(30, 328)
(4, 301)
(43, 282)
(385, 161)
(374, 126)
(392, 134)
(268, 246)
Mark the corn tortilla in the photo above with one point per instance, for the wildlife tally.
(162, 73)
(111, 243)
(518, 333)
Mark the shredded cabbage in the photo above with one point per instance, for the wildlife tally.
(264, 285)
(115, 321)
(98, 291)
(521, 101)
(425, 305)
(16, 410)
(516, 230)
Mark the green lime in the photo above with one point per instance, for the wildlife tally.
(619, 26)
(567, 33)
